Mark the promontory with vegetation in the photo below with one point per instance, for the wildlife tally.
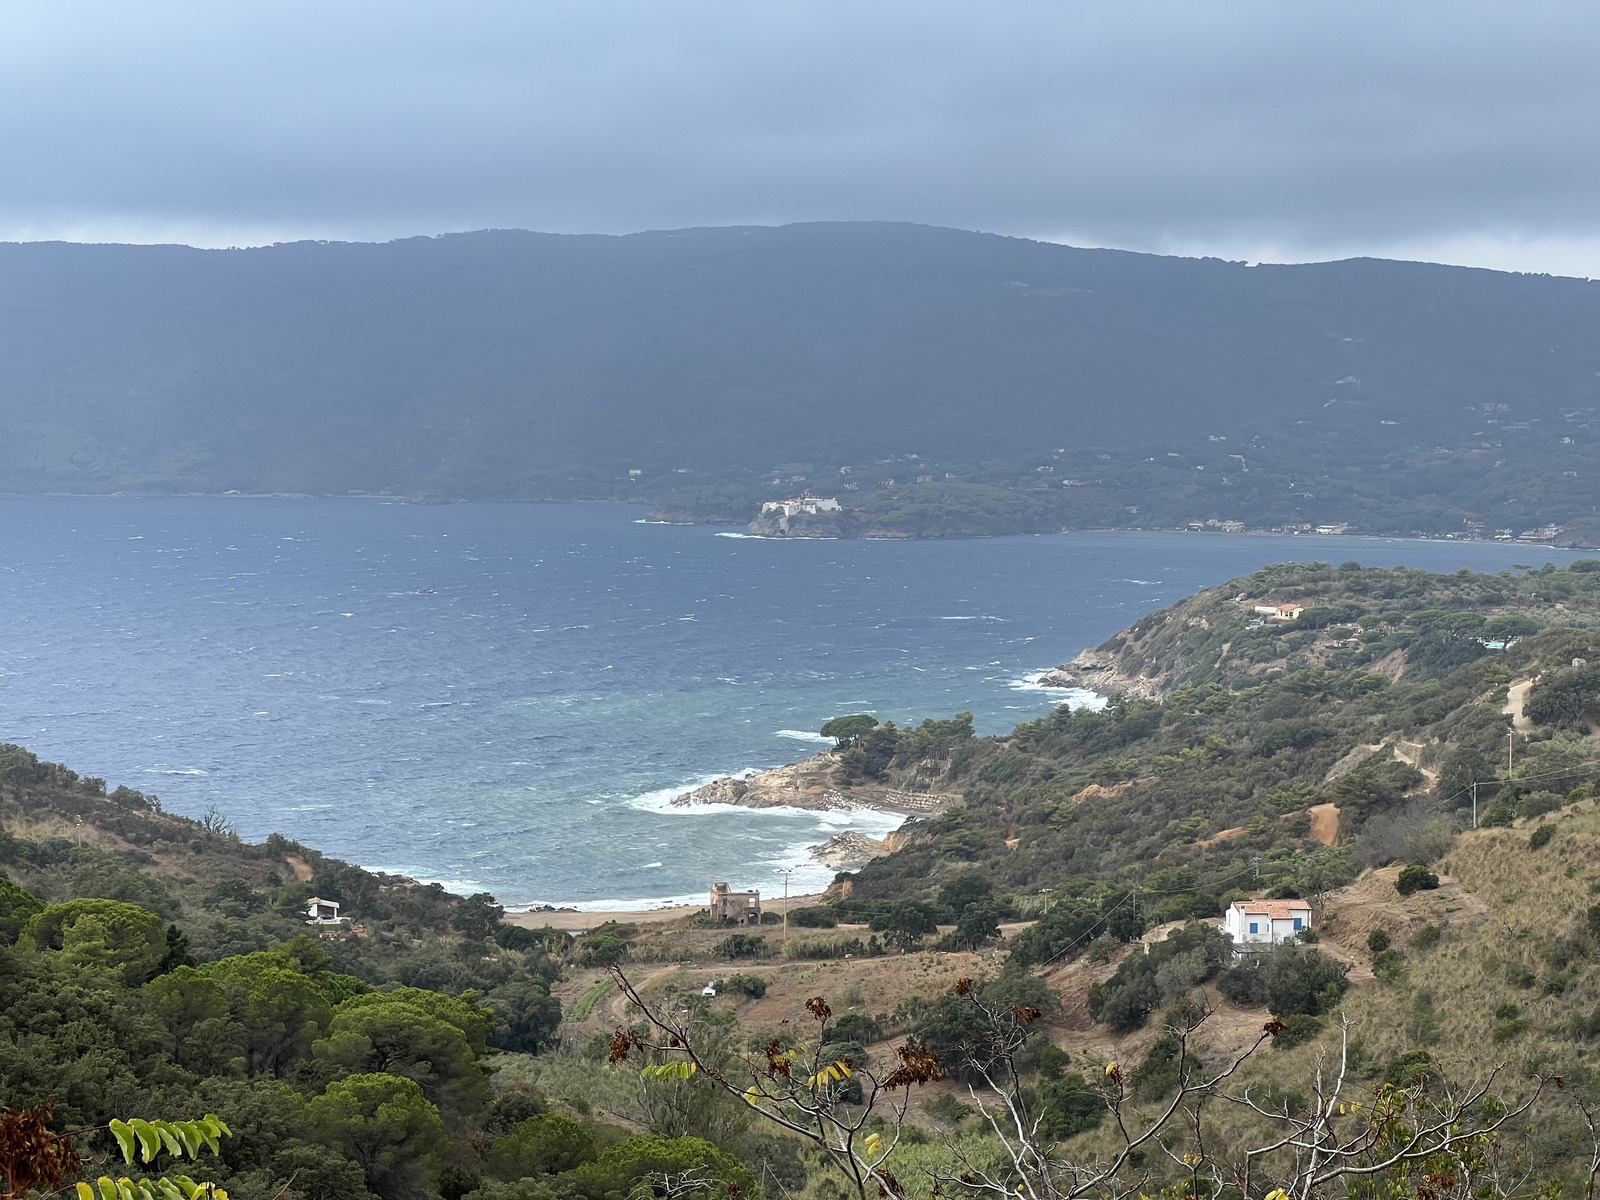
(937, 382)
(1031, 990)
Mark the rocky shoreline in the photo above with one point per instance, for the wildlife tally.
(1091, 671)
(809, 784)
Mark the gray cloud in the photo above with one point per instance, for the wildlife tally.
(1272, 130)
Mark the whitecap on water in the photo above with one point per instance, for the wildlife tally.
(1076, 697)
(802, 735)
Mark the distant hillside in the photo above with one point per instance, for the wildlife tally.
(949, 371)
(1355, 731)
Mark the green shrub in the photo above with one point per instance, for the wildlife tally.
(752, 986)
(1071, 1106)
(1499, 816)
(948, 1109)
(1536, 804)
(1507, 1030)
(1509, 1011)
(1158, 1075)
(1389, 965)
(741, 945)
(858, 1027)
(1426, 938)
(1125, 1000)
(1304, 981)
(1244, 985)
(541, 1145)
(1415, 878)
(1378, 941)
(818, 917)
(1403, 1070)
(1303, 1027)
(515, 1106)
(1541, 837)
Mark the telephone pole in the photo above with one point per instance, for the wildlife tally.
(1509, 769)
(785, 872)
(1474, 803)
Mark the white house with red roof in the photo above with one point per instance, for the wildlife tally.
(1281, 612)
(1265, 922)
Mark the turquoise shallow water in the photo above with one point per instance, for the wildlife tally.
(504, 697)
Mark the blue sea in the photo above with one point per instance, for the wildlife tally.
(505, 698)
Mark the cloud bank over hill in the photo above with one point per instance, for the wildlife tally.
(1251, 130)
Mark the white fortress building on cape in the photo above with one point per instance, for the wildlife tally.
(805, 503)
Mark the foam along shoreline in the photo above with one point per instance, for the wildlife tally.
(1061, 682)
(807, 786)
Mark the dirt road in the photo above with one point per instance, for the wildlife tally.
(1516, 697)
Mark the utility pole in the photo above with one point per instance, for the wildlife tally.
(1509, 769)
(785, 872)
(1256, 863)
(1474, 803)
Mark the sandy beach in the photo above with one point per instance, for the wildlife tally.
(578, 922)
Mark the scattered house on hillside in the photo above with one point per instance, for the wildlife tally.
(1280, 612)
(1547, 533)
(1257, 924)
(739, 908)
(322, 912)
(804, 503)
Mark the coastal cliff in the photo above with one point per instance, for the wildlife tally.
(1093, 671)
(775, 523)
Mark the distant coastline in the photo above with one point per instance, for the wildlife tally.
(733, 525)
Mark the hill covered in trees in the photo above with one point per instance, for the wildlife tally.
(157, 967)
(942, 382)
(1286, 752)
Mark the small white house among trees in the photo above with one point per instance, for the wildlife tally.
(322, 912)
(1263, 923)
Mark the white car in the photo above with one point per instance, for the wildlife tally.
(709, 991)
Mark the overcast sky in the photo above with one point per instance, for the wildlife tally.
(1281, 131)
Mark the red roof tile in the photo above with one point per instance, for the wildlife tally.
(1278, 910)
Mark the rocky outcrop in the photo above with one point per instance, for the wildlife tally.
(1095, 672)
(849, 851)
(802, 525)
(809, 784)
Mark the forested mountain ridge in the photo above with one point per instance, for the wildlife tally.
(958, 380)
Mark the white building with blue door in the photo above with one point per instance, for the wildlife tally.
(1265, 923)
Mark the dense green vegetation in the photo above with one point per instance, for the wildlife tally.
(962, 379)
(1103, 822)
(150, 964)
